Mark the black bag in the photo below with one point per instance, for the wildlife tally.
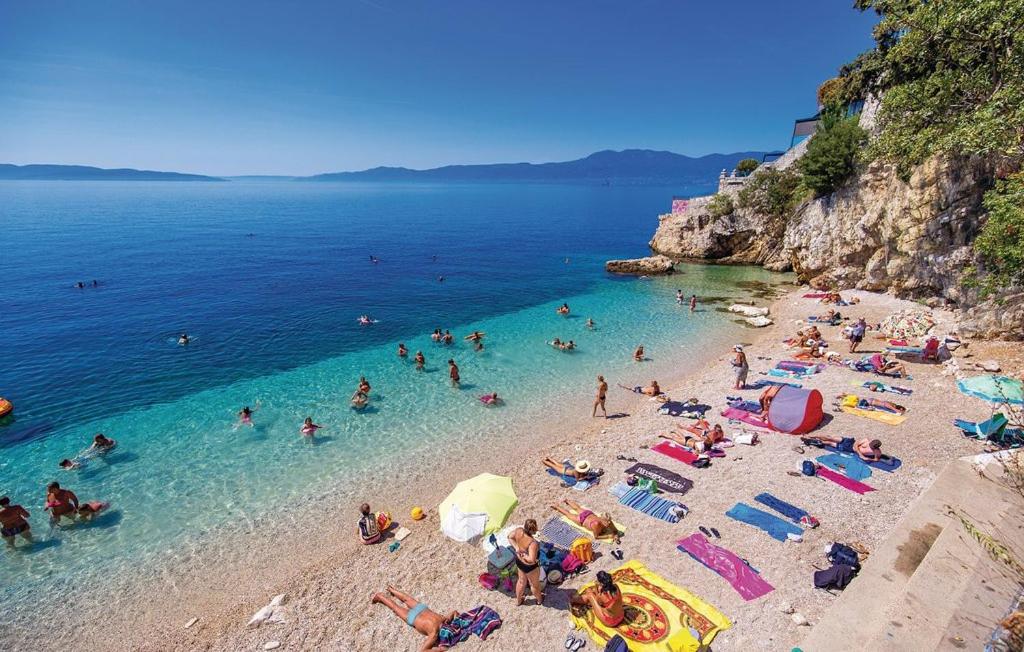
(843, 554)
(616, 644)
(836, 577)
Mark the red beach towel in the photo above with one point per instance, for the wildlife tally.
(843, 481)
(746, 417)
(677, 453)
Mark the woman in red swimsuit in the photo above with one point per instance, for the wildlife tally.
(605, 600)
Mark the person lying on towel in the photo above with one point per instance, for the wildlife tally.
(599, 526)
(416, 615)
(699, 438)
(869, 450)
(579, 471)
(882, 365)
(877, 404)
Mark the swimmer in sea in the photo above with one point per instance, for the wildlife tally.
(359, 399)
(638, 355)
(374, 259)
(590, 323)
(60, 502)
(309, 428)
(13, 522)
(69, 465)
(440, 279)
(490, 399)
(693, 302)
(477, 338)
(557, 343)
(88, 511)
(448, 337)
(101, 444)
(80, 285)
(563, 309)
(420, 361)
(569, 346)
(402, 351)
(436, 335)
(364, 385)
(183, 340)
(245, 417)
(453, 372)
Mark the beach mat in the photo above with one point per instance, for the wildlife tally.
(772, 525)
(747, 582)
(887, 463)
(676, 452)
(558, 533)
(883, 417)
(746, 417)
(792, 512)
(668, 481)
(761, 383)
(849, 465)
(843, 481)
(876, 386)
(647, 503)
(587, 533)
(659, 616)
(676, 409)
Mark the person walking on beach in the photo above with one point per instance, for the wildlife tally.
(420, 360)
(857, 334)
(13, 521)
(602, 393)
(693, 302)
(453, 372)
(527, 554)
(60, 502)
(739, 363)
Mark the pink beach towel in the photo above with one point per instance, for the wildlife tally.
(815, 295)
(743, 578)
(745, 417)
(842, 480)
(676, 452)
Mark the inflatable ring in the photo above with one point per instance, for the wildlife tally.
(6, 407)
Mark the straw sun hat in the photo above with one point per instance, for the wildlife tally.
(582, 466)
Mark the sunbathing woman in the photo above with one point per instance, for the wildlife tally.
(599, 526)
(416, 615)
(884, 366)
(698, 439)
(580, 471)
(605, 600)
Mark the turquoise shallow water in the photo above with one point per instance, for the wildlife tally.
(183, 469)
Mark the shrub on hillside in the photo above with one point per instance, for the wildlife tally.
(771, 192)
(831, 156)
(720, 205)
(1001, 241)
(746, 166)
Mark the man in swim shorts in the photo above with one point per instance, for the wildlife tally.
(13, 522)
(869, 450)
(416, 615)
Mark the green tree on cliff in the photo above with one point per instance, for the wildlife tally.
(746, 166)
(1001, 242)
(831, 156)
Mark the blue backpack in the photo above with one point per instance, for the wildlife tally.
(808, 467)
(616, 644)
(843, 554)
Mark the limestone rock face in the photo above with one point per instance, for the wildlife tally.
(650, 266)
(1001, 317)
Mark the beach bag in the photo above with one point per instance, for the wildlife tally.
(616, 644)
(807, 468)
(488, 581)
(571, 563)
(838, 576)
(648, 485)
(843, 554)
(368, 530)
(748, 438)
(583, 550)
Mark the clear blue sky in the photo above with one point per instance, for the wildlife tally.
(278, 87)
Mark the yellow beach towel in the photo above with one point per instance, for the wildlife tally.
(618, 526)
(884, 417)
(660, 617)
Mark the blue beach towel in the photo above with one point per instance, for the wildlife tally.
(642, 501)
(887, 463)
(620, 489)
(559, 533)
(774, 526)
(849, 465)
(792, 512)
(753, 407)
(761, 383)
(567, 479)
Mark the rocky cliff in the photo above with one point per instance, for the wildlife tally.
(879, 232)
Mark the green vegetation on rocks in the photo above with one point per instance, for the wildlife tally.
(831, 156)
(771, 192)
(720, 205)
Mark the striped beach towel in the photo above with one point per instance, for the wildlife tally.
(642, 501)
(559, 533)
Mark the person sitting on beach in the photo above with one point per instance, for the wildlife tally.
(402, 351)
(420, 360)
(638, 354)
(309, 428)
(245, 417)
(60, 502)
(490, 399)
(599, 526)
(579, 471)
(527, 561)
(605, 600)
(183, 339)
(418, 616)
(359, 400)
(869, 450)
(882, 365)
(101, 444)
(812, 333)
(364, 385)
(369, 531)
(88, 511)
(448, 338)
(654, 389)
(590, 323)
(13, 522)
(453, 372)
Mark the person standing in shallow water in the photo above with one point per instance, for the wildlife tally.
(453, 372)
(693, 302)
(602, 393)
(420, 360)
(13, 522)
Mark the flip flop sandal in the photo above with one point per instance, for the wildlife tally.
(570, 640)
(715, 533)
(799, 449)
(706, 532)
(578, 644)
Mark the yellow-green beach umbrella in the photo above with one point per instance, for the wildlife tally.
(485, 494)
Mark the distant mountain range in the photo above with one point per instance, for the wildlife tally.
(86, 173)
(633, 166)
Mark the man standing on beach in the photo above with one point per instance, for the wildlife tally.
(453, 372)
(602, 392)
(857, 334)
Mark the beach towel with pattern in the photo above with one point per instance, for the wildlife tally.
(747, 582)
(643, 501)
(849, 465)
(481, 621)
(792, 512)
(667, 480)
(659, 616)
(884, 417)
(558, 532)
(843, 481)
(774, 526)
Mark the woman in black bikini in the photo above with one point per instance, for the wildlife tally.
(527, 553)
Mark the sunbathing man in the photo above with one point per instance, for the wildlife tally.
(599, 526)
(652, 390)
(580, 471)
(416, 615)
(869, 450)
